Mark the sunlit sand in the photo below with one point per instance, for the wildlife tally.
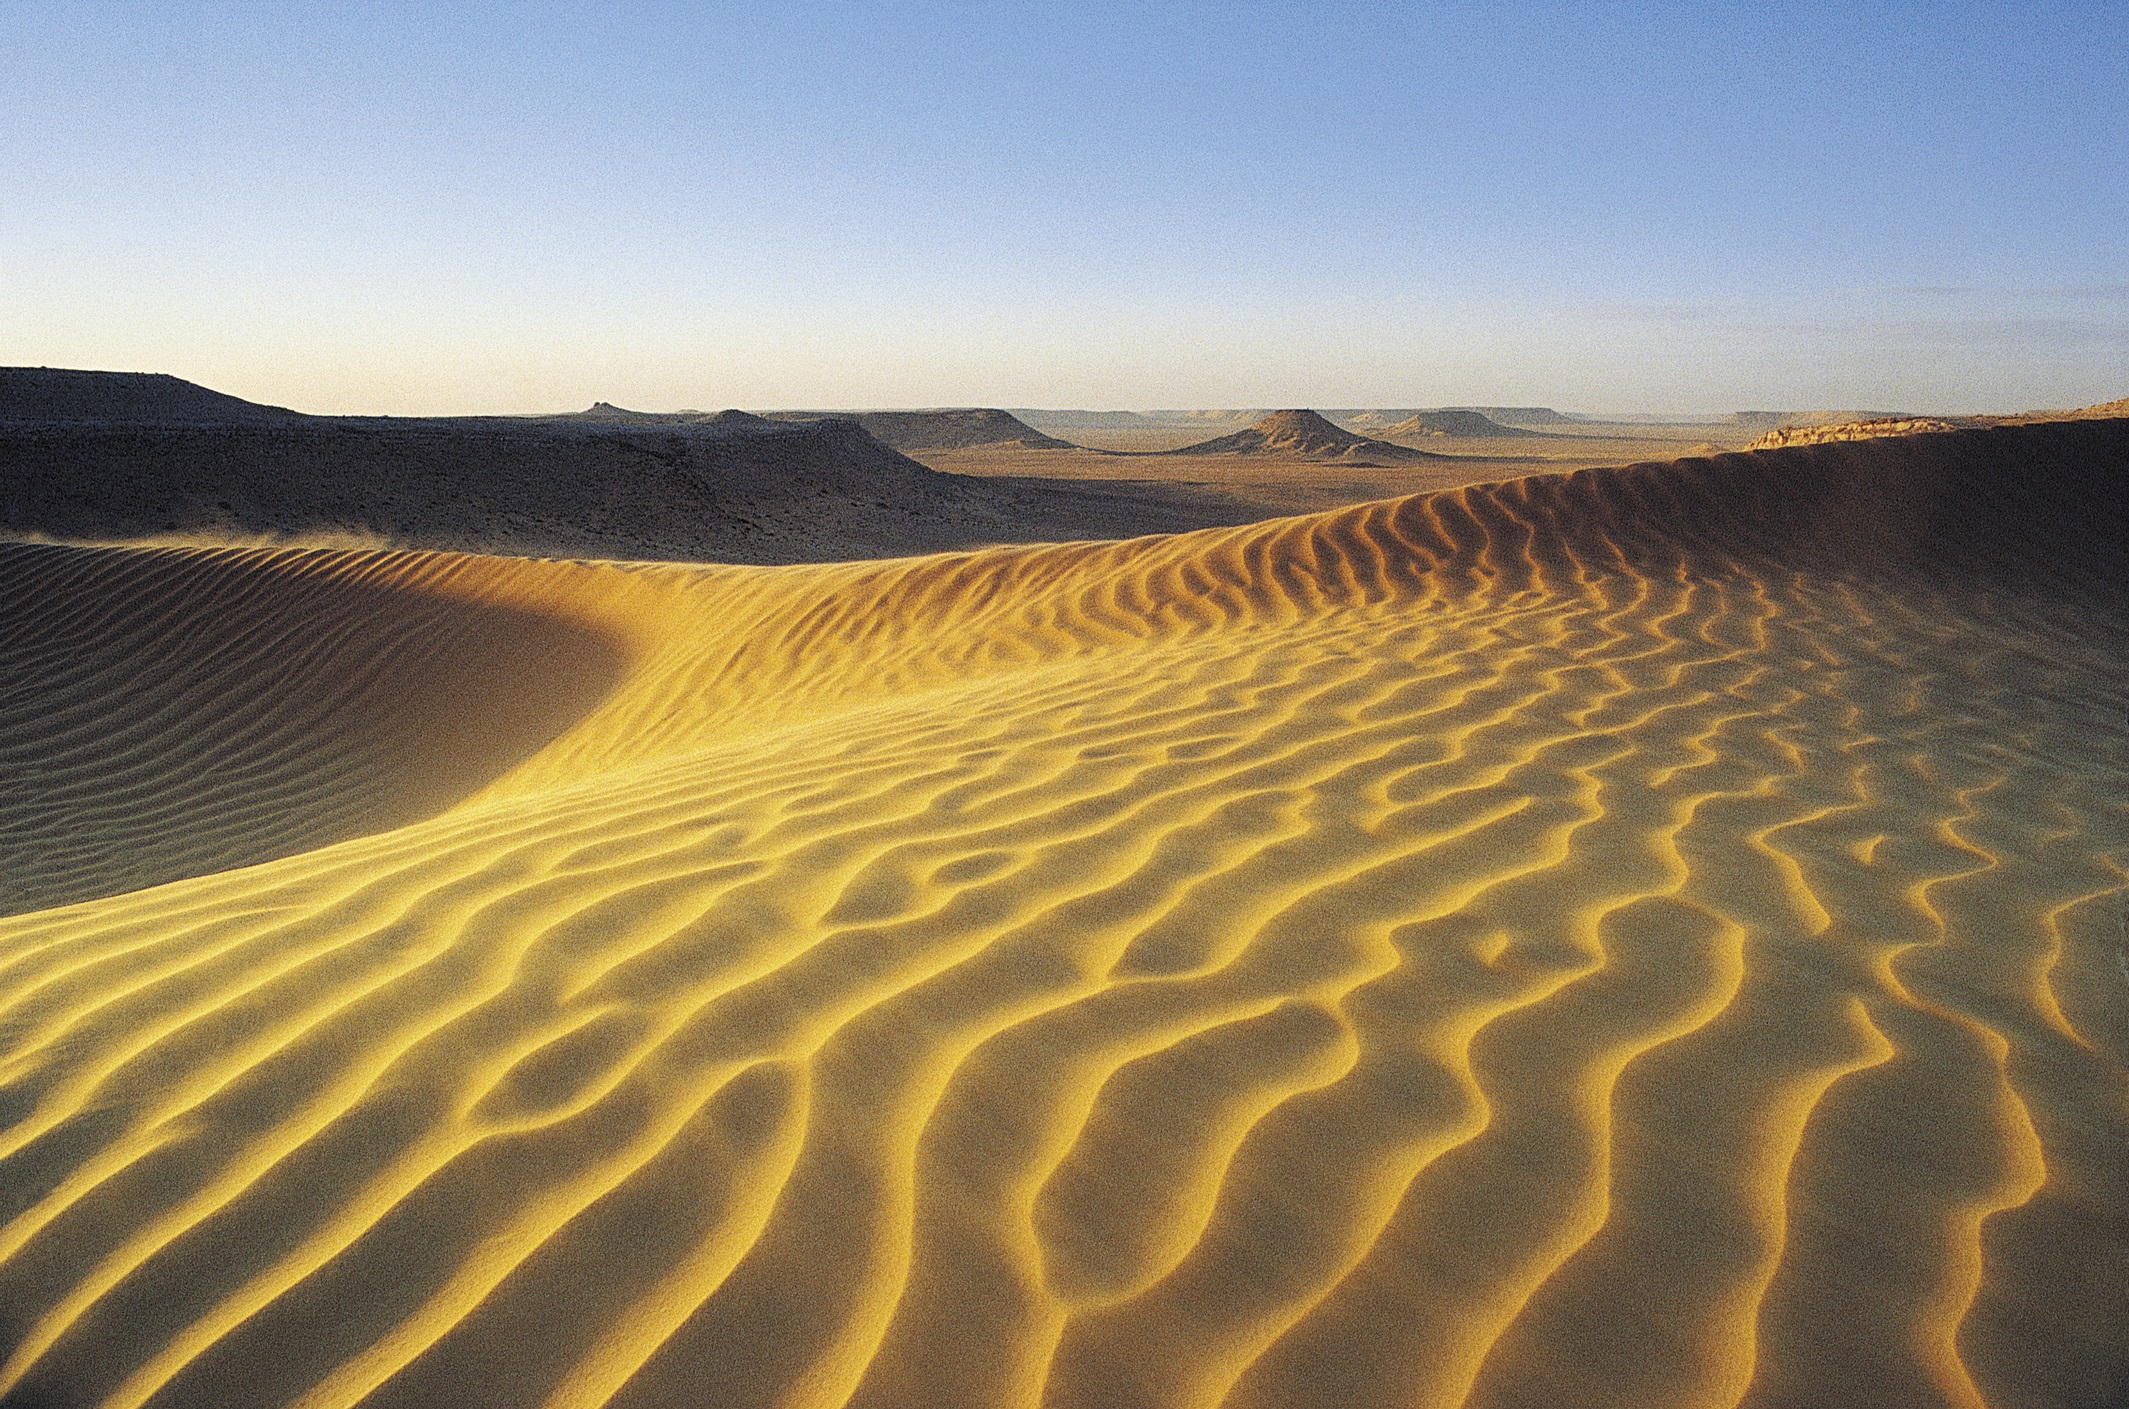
(1641, 937)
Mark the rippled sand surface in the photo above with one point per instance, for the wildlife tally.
(1647, 937)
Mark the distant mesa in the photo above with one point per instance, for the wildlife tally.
(1858, 430)
(1304, 434)
(605, 413)
(1775, 420)
(1506, 420)
(950, 429)
(47, 395)
(112, 455)
(955, 430)
(1820, 430)
(1523, 415)
(1373, 421)
(2104, 411)
(1461, 422)
(1084, 420)
(1475, 425)
(1824, 428)
(1070, 422)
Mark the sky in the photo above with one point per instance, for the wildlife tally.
(437, 209)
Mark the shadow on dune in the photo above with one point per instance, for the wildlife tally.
(174, 713)
(2043, 505)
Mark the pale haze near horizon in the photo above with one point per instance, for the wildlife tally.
(1603, 208)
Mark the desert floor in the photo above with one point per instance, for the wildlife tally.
(1646, 937)
(1260, 483)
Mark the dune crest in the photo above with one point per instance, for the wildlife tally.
(1638, 937)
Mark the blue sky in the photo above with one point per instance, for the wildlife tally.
(1599, 207)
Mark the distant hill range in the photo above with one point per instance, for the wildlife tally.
(605, 413)
(1361, 421)
(100, 455)
(1053, 420)
(1305, 434)
(1860, 430)
(1475, 425)
(42, 395)
(1774, 420)
(951, 429)
(1523, 415)
(1466, 421)
(954, 429)
(2104, 411)
(1812, 431)
(1816, 432)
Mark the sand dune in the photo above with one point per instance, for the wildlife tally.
(173, 714)
(1640, 937)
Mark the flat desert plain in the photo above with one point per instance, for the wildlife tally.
(1648, 936)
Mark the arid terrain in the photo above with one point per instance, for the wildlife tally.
(1460, 448)
(1645, 933)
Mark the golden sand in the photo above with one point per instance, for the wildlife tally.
(1648, 937)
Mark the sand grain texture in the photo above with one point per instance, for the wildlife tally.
(1641, 937)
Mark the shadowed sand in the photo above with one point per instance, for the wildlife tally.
(1640, 937)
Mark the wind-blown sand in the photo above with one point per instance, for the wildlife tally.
(1642, 937)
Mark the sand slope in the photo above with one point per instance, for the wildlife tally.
(177, 713)
(1644, 937)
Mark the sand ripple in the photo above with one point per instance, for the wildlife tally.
(1599, 941)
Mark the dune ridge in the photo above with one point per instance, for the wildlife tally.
(1639, 937)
